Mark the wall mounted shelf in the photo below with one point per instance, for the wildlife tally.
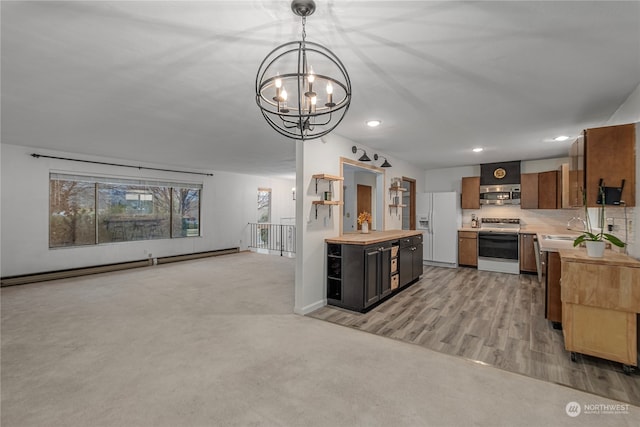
(393, 192)
(317, 203)
(326, 177)
(330, 179)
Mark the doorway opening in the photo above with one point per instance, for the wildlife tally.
(409, 200)
(363, 200)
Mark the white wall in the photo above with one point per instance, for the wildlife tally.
(229, 202)
(629, 111)
(323, 156)
(448, 179)
(544, 165)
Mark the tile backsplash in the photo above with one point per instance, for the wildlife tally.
(624, 228)
(549, 217)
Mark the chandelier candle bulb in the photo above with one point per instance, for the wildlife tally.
(329, 96)
(278, 97)
(310, 79)
(283, 96)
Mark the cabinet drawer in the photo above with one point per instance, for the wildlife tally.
(405, 242)
(395, 281)
(394, 265)
(468, 234)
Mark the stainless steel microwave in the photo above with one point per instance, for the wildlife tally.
(500, 194)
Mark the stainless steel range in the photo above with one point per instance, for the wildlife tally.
(498, 245)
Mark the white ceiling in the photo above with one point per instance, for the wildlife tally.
(173, 82)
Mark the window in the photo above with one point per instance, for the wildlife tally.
(90, 210)
(72, 213)
(264, 205)
(131, 212)
(264, 213)
(186, 212)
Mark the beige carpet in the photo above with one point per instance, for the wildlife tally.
(214, 342)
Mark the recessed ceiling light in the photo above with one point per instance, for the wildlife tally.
(561, 138)
(477, 149)
(373, 123)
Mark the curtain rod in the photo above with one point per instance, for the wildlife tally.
(37, 156)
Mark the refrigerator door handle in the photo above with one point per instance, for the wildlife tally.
(431, 221)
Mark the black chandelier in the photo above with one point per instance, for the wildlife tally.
(288, 79)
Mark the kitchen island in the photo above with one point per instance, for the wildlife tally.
(600, 305)
(364, 269)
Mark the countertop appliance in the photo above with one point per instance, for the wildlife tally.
(439, 217)
(500, 194)
(498, 245)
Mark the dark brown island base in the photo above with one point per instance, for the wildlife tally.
(366, 269)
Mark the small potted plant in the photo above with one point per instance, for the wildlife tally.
(595, 241)
(364, 219)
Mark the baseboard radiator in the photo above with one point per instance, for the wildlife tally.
(106, 268)
(187, 257)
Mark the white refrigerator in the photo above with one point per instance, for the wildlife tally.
(438, 217)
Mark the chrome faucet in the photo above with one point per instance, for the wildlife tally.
(574, 219)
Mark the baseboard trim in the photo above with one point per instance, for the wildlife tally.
(440, 264)
(310, 308)
(73, 272)
(106, 268)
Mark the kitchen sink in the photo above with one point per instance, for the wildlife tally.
(558, 237)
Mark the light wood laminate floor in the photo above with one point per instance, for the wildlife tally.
(493, 318)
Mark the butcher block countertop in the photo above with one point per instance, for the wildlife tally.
(610, 258)
(372, 237)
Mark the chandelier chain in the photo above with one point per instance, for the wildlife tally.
(304, 28)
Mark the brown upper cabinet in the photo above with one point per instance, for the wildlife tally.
(529, 191)
(470, 192)
(539, 190)
(562, 191)
(610, 156)
(548, 190)
(576, 173)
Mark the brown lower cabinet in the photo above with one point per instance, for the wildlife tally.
(468, 248)
(527, 253)
(553, 303)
